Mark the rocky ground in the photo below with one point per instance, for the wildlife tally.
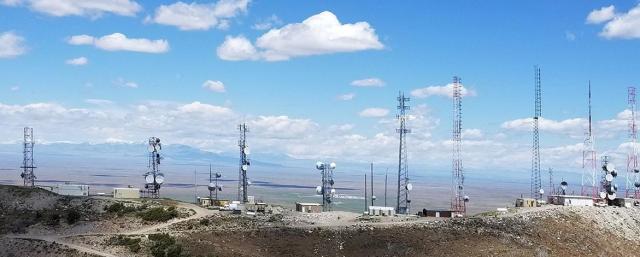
(194, 231)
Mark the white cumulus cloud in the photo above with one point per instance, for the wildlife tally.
(11, 45)
(568, 126)
(124, 83)
(374, 112)
(120, 42)
(618, 25)
(88, 8)
(214, 86)
(319, 34)
(78, 61)
(267, 23)
(446, 91)
(346, 97)
(195, 16)
(368, 82)
(601, 15)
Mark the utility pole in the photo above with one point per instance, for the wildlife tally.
(365, 192)
(373, 197)
(385, 188)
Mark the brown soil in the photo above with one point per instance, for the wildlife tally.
(562, 235)
(36, 248)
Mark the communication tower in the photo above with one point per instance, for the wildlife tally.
(589, 186)
(633, 184)
(153, 177)
(213, 185)
(536, 180)
(403, 202)
(243, 181)
(28, 177)
(458, 198)
(326, 189)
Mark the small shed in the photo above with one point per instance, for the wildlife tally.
(438, 213)
(71, 190)
(526, 202)
(381, 211)
(309, 207)
(572, 200)
(624, 202)
(126, 193)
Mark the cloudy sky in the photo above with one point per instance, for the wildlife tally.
(319, 79)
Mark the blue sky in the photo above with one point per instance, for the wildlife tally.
(293, 105)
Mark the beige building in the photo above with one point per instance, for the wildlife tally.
(526, 202)
(126, 193)
(309, 207)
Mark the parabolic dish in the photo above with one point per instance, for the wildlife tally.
(409, 187)
(611, 196)
(637, 184)
(212, 186)
(466, 198)
(614, 173)
(541, 191)
(636, 170)
(218, 175)
(245, 167)
(603, 195)
(332, 165)
(319, 190)
(247, 151)
(319, 165)
(150, 148)
(333, 191)
(610, 167)
(160, 178)
(148, 178)
(608, 177)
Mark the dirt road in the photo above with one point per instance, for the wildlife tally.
(60, 239)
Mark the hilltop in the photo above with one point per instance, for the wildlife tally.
(104, 230)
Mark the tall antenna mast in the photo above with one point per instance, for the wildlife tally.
(552, 187)
(153, 177)
(326, 189)
(589, 162)
(458, 198)
(632, 184)
(403, 203)
(536, 180)
(373, 197)
(243, 182)
(27, 175)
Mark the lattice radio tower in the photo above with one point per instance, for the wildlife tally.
(27, 167)
(589, 160)
(153, 178)
(403, 202)
(632, 184)
(536, 180)
(243, 181)
(458, 198)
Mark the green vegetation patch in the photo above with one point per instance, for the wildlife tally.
(165, 245)
(159, 214)
(132, 243)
